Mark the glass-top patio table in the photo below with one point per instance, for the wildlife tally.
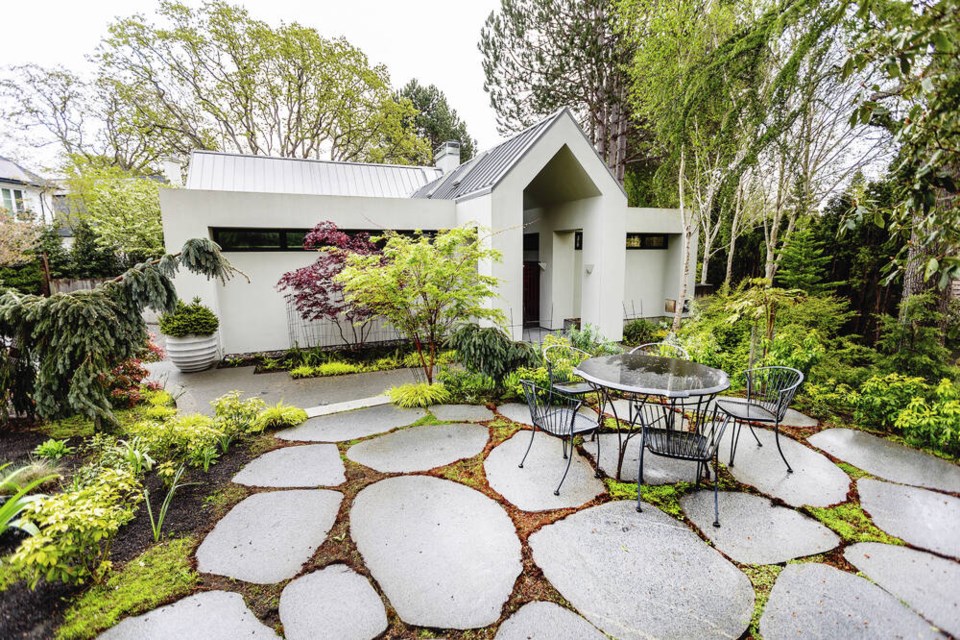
(659, 390)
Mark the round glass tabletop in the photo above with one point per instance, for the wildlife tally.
(653, 375)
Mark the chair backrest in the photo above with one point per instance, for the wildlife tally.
(663, 349)
(773, 388)
(550, 410)
(556, 353)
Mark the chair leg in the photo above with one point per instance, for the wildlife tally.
(776, 437)
(716, 496)
(597, 474)
(643, 445)
(754, 434)
(567, 470)
(734, 437)
(565, 448)
(532, 433)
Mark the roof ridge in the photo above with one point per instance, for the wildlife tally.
(317, 160)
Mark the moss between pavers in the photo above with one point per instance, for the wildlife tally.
(854, 472)
(762, 578)
(159, 575)
(665, 497)
(849, 521)
(225, 498)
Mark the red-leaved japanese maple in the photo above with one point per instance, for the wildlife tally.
(313, 290)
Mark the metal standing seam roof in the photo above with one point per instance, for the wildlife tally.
(216, 171)
(483, 172)
(10, 171)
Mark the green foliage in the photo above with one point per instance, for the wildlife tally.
(16, 504)
(234, 416)
(419, 395)
(191, 438)
(590, 339)
(466, 387)
(933, 423)
(803, 263)
(825, 400)
(12, 481)
(539, 376)
(489, 351)
(64, 352)
(280, 416)
(156, 524)
(160, 574)
(76, 528)
(424, 286)
(881, 398)
(850, 522)
(53, 449)
(639, 331)
(914, 344)
(89, 258)
(436, 121)
(762, 577)
(189, 319)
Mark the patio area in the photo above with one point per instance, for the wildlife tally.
(388, 522)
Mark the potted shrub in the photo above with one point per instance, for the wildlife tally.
(191, 331)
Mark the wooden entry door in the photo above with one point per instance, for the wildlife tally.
(531, 294)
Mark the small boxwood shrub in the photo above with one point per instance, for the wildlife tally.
(419, 395)
(639, 331)
(189, 319)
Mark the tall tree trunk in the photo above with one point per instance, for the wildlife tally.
(734, 232)
(688, 228)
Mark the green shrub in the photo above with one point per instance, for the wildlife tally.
(539, 376)
(489, 351)
(279, 417)
(336, 369)
(881, 398)
(53, 449)
(191, 438)
(302, 371)
(590, 339)
(915, 346)
(466, 387)
(825, 400)
(639, 331)
(934, 423)
(419, 395)
(235, 416)
(189, 319)
(76, 529)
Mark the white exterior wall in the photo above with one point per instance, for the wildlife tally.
(653, 275)
(35, 200)
(253, 315)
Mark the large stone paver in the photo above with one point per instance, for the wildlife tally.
(313, 465)
(267, 537)
(335, 602)
(532, 487)
(923, 518)
(420, 448)
(930, 585)
(461, 412)
(812, 600)
(815, 481)
(211, 615)
(643, 575)
(445, 555)
(350, 425)
(888, 460)
(516, 412)
(656, 469)
(753, 531)
(546, 621)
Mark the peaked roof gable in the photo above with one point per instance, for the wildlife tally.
(483, 172)
(10, 171)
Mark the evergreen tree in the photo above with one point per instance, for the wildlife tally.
(88, 258)
(803, 263)
(436, 121)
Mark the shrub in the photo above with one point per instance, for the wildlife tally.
(915, 346)
(53, 449)
(933, 423)
(881, 398)
(76, 529)
(280, 416)
(489, 351)
(590, 339)
(825, 400)
(419, 395)
(302, 371)
(336, 369)
(125, 382)
(235, 416)
(191, 438)
(466, 387)
(189, 319)
(539, 376)
(639, 331)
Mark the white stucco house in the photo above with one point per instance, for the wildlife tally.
(24, 192)
(571, 246)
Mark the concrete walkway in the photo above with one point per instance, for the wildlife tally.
(441, 554)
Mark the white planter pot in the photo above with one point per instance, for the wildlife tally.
(192, 353)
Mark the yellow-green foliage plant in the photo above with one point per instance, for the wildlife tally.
(193, 438)
(280, 416)
(419, 395)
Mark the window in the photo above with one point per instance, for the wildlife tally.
(531, 242)
(12, 200)
(578, 241)
(255, 239)
(646, 241)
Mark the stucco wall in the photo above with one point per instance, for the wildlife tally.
(34, 201)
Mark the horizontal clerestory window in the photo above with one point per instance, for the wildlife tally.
(634, 241)
(261, 239)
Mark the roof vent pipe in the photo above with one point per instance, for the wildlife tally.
(447, 156)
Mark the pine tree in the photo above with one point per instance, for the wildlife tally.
(803, 264)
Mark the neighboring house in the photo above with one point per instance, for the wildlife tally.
(24, 192)
(571, 246)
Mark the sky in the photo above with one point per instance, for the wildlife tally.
(434, 41)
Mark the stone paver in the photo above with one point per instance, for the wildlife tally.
(339, 427)
(656, 469)
(753, 531)
(267, 537)
(888, 460)
(420, 448)
(532, 487)
(445, 555)
(335, 602)
(792, 418)
(928, 584)
(546, 621)
(923, 518)
(211, 615)
(516, 412)
(812, 600)
(643, 575)
(314, 465)
(815, 481)
(461, 412)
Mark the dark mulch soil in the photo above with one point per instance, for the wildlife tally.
(37, 614)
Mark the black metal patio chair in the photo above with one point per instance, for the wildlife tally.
(679, 429)
(770, 390)
(553, 355)
(662, 349)
(558, 414)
